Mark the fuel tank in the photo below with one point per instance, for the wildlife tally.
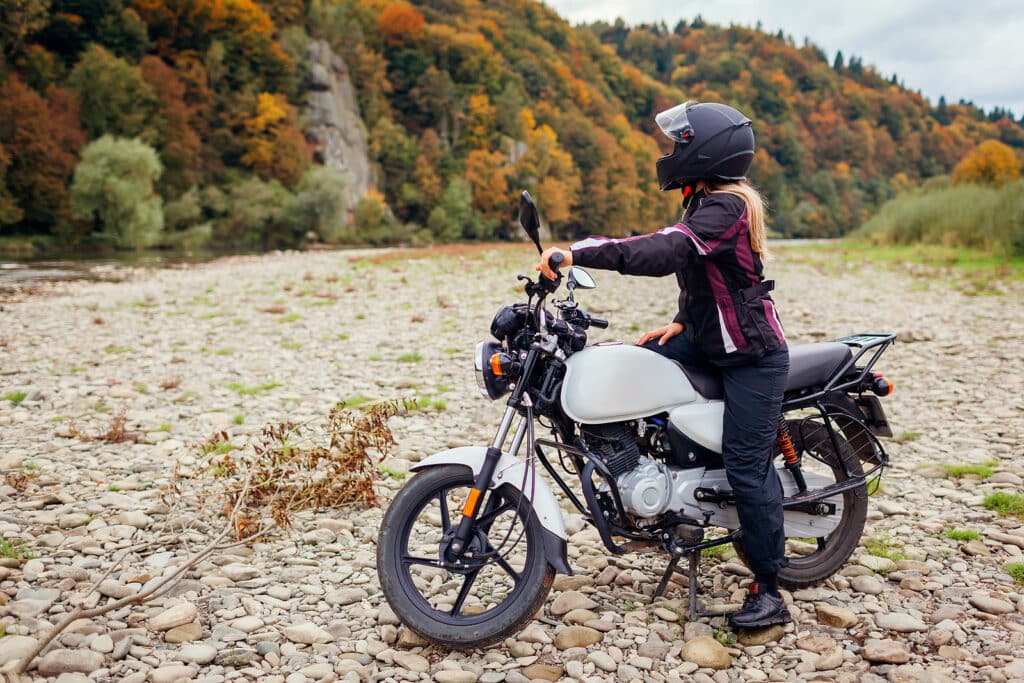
(616, 382)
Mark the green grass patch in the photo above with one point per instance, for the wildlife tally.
(1015, 570)
(243, 390)
(906, 437)
(15, 396)
(961, 534)
(218, 448)
(1006, 504)
(238, 419)
(291, 345)
(343, 337)
(957, 471)
(226, 351)
(353, 401)
(289, 318)
(117, 349)
(413, 357)
(14, 550)
(143, 304)
(397, 475)
(164, 427)
(438, 405)
(882, 546)
(452, 350)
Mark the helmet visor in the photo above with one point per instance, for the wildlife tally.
(675, 124)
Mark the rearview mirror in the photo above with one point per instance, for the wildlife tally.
(580, 279)
(529, 220)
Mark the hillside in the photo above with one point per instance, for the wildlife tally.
(462, 103)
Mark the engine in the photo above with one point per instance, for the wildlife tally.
(648, 487)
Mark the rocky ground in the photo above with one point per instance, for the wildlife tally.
(183, 353)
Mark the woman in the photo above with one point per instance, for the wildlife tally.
(726, 317)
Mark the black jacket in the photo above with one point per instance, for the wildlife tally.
(724, 303)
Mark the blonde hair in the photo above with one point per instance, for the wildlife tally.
(755, 212)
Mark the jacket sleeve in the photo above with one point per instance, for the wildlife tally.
(657, 254)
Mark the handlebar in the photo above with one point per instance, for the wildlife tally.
(597, 322)
(556, 261)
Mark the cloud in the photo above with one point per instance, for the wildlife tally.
(940, 47)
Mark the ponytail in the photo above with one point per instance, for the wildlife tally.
(755, 213)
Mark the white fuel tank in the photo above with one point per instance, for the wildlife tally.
(616, 382)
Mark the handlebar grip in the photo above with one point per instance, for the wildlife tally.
(599, 322)
(556, 261)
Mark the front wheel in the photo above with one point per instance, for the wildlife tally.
(499, 583)
(811, 561)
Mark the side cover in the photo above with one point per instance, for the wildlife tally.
(622, 382)
(510, 471)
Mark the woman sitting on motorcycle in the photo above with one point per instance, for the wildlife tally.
(726, 318)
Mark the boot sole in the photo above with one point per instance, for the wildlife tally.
(763, 623)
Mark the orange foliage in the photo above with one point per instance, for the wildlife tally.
(990, 163)
(275, 148)
(398, 22)
(488, 175)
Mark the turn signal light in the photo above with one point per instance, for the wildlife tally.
(881, 386)
(496, 364)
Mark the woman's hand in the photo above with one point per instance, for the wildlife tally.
(545, 268)
(665, 333)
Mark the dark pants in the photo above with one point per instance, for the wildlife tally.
(753, 400)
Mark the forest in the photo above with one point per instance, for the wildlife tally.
(181, 123)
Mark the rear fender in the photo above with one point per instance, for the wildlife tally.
(510, 472)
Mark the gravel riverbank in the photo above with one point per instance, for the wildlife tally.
(232, 345)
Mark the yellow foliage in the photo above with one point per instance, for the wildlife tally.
(990, 163)
(480, 126)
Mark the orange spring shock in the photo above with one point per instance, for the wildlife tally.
(785, 441)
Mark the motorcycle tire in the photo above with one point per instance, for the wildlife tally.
(459, 631)
(809, 570)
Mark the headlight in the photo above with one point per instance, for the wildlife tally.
(490, 377)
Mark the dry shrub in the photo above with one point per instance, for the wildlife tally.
(418, 318)
(326, 295)
(98, 320)
(115, 432)
(275, 309)
(295, 467)
(4, 342)
(19, 481)
(307, 277)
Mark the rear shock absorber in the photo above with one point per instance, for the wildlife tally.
(789, 454)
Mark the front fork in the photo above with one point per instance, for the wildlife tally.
(483, 479)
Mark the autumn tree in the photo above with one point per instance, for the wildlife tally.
(19, 19)
(10, 212)
(41, 138)
(178, 144)
(114, 98)
(399, 22)
(275, 148)
(113, 190)
(990, 163)
(488, 174)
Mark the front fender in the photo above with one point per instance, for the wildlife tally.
(510, 472)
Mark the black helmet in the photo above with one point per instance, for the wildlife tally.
(712, 141)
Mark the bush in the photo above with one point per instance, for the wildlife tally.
(454, 217)
(320, 203)
(113, 187)
(374, 223)
(259, 212)
(959, 215)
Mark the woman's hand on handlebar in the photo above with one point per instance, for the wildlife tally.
(544, 266)
(662, 334)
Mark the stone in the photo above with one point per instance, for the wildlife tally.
(761, 636)
(178, 615)
(603, 661)
(69, 661)
(817, 644)
(877, 564)
(306, 633)
(706, 652)
(184, 633)
(829, 660)
(172, 674)
(14, 648)
(696, 629)
(570, 600)
(412, 662)
(839, 617)
(977, 548)
(239, 572)
(543, 672)
(197, 653)
(577, 636)
(579, 616)
(885, 651)
(901, 623)
(455, 676)
(345, 596)
(102, 644)
(866, 584)
(247, 624)
(237, 657)
(991, 605)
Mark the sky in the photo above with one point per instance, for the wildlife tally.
(970, 50)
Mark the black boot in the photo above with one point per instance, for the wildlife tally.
(760, 609)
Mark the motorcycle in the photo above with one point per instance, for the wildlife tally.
(469, 547)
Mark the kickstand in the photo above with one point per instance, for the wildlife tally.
(696, 611)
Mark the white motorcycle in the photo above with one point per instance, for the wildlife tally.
(469, 547)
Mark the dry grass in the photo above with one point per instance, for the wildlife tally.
(170, 383)
(115, 432)
(277, 310)
(294, 467)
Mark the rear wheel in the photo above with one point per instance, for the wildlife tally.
(814, 560)
(501, 581)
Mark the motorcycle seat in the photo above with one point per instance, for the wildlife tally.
(809, 365)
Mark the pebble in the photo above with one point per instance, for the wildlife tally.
(866, 584)
(184, 633)
(839, 617)
(603, 661)
(577, 636)
(885, 651)
(172, 674)
(306, 633)
(543, 672)
(706, 652)
(877, 564)
(570, 600)
(901, 623)
(197, 653)
(991, 605)
(179, 615)
(66, 661)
